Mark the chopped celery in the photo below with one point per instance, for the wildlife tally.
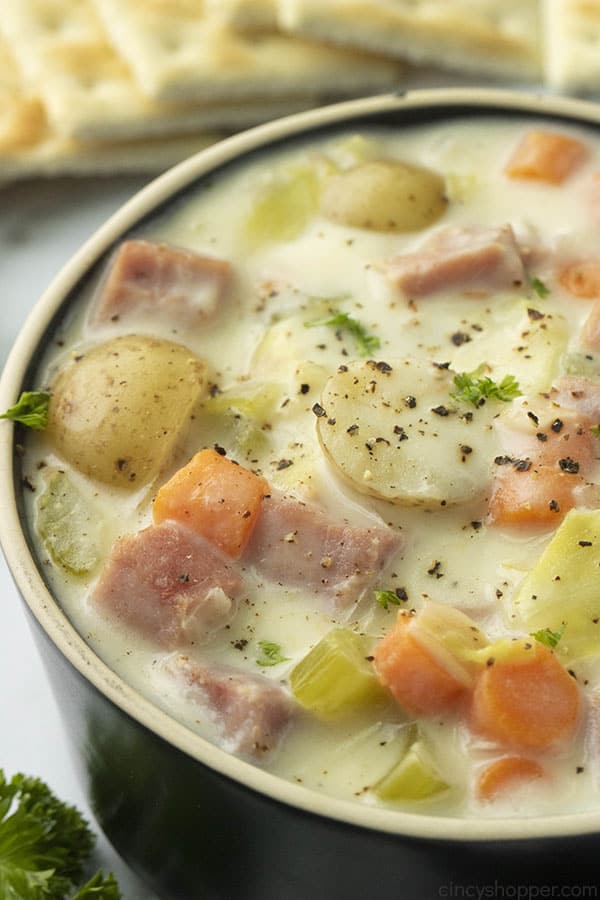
(284, 207)
(70, 529)
(255, 400)
(462, 188)
(414, 777)
(335, 677)
(562, 588)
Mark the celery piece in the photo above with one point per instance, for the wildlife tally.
(335, 677)
(562, 588)
(256, 400)
(69, 528)
(414, 777)
(284, 207)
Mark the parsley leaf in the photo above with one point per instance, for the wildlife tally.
(99, 888)
(43, 841)
(547, 637)
(366, 343)
(471, 388)
(31, 409)
(384, 598)
(540, 288)
(271, 654)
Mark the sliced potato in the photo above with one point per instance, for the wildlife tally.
(385, 195)
(392, 430)
(117, 411)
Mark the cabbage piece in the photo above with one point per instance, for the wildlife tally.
(562, 589)
(335, 677)
(69, 525)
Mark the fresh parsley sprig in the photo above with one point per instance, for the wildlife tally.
(540, 288)
(271, 654)
(31, 409)
(366, 343)
(387, 598)
(44, 844)
(473, 388)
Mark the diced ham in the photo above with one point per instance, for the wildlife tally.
(169, 584)
(249, 712)
(578, 393)
(146, 277)
(590, 333)
(468, 260)
(297, 544)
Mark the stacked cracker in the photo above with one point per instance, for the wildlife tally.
(116, 85)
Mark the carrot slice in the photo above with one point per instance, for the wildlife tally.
(216, 498)
(582, 279)
(506, 773)
(546, 156)
(540, 497)
(420, 684)
(526, 700)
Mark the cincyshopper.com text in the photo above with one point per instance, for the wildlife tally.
(452, 891)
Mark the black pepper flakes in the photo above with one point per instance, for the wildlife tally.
(318, 410)
(585, 543)
(440, 411)
(304, 388)
(411, 402)
(568, 465)
(284, 464)
(557, 426)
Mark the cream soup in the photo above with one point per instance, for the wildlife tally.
(320, 471)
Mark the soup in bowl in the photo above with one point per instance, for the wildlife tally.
(307, 510)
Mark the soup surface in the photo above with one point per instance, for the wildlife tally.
(320, 473)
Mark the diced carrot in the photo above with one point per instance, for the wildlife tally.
(526, 700)
(216, 498)
(590, 333)
(420, 684)
(582, 279)
(546, 156)
(506, 773)
(541, 496)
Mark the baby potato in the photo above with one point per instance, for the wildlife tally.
(393, 431)
(117, 410)
(385, 195)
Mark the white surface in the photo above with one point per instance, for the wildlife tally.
(41, 225)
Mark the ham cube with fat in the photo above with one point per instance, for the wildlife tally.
(471, 260)
(297, 544)
(250, 713)
(149, 278)
(168, 584)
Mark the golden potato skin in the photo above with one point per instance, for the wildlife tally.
(385, 195)
(117, 410)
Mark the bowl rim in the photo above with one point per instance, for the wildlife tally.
(22, 564)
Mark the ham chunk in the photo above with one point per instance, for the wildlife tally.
(168, 584)
(249, 712)
(590, 333)
(297, 544)
(465, 260)
(145, 277)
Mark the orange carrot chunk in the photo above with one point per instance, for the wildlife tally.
(526, 700)
(582, 279)
(539, 497)
(420, 684)
(505, 774)
(546, 156)
(214, 497)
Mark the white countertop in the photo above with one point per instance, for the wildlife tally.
(41, 225)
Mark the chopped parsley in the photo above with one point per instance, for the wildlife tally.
(476, 389)
(547, 637)
(540, 288)
(395, 598)
(595, 429)
(271, 654)
(366, 344)
(31, 410)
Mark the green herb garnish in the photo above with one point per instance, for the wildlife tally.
(547, 637)
(540, 288)
(44, 844)
(31, 410)
(384, 598)
(99, 888)
(595, 429)
(471, 388)
(365, 343)
(271, 654)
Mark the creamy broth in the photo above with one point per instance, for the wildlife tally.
(267, 370)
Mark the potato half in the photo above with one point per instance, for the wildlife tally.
(117, 410)
(393, 431)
